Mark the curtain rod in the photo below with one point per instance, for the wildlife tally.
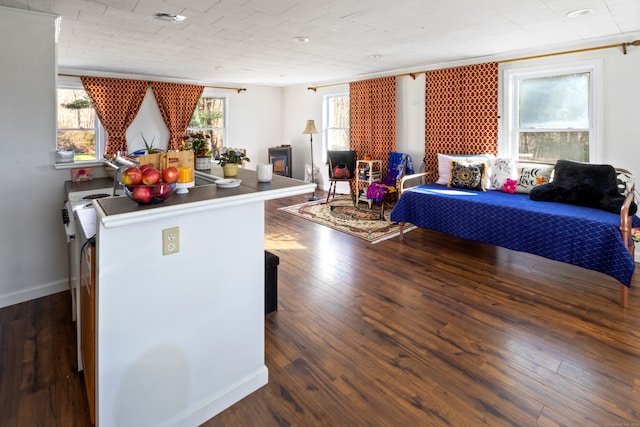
(587, 49)
(413, 75)
(237, 89)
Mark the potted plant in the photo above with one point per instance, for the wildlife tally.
(229, 159)
(198, 142)
(149, 146)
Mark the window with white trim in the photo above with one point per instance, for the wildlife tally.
(551, 113)
(78, 126)
(335, 132)
(210, 118)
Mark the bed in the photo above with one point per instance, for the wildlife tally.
(586, 237)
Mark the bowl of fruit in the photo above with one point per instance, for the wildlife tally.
(147, 185)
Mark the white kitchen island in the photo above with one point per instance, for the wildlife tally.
(180, 337)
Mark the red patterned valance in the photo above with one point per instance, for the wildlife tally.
(461, 111)
(116, 102)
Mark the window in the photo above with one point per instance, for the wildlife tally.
(551, 114)
(210, 119)
(336, 122)
(79, 128)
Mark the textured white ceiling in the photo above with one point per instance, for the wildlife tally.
(251, 42)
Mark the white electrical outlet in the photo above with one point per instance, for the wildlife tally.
(170, 240)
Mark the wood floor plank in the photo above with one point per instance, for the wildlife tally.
(12, 337)
(36, 410)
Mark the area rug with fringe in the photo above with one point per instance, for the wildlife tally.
(359, 221)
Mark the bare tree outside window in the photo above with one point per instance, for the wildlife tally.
(77, 124)
(549, 147)
(336, 122)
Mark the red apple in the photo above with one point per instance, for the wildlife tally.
(146, 166)
(142, 194)
(151, 176)
(131, 176)
(170, 175)
(163, 190)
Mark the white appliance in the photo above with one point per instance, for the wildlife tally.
(78, 200)
(82, 200)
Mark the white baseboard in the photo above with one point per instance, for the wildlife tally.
(33, 292)
(211, 406)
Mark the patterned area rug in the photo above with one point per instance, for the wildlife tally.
(341, 215)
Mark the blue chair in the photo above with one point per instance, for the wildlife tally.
(385, 191)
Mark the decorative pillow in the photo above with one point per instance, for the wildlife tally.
(468, 176)
(444, 166)
(626, 182)
(502, 169)
(583, 184)
(532, 176)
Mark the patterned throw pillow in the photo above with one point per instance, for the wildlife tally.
(444, 166)
(626, 182)
(502, 169)
(468, 176)
(532, 176)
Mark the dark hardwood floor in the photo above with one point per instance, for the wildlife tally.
(432, 331)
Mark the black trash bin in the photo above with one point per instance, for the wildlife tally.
(271, 262)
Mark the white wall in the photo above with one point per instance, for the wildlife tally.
(300, 105)
(410, 119)
(255, 122)
(148, 123)
(622, 108)
(33, 245)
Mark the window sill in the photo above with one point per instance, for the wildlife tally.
(85, 164)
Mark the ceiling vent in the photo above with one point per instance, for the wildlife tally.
(169, 17)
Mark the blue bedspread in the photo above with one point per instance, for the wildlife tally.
(581, 236)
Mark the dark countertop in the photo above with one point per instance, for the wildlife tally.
(96, 184)
(279, 186)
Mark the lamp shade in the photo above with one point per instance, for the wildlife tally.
(310, 127)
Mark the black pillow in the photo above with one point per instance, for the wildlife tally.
(583, 184)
